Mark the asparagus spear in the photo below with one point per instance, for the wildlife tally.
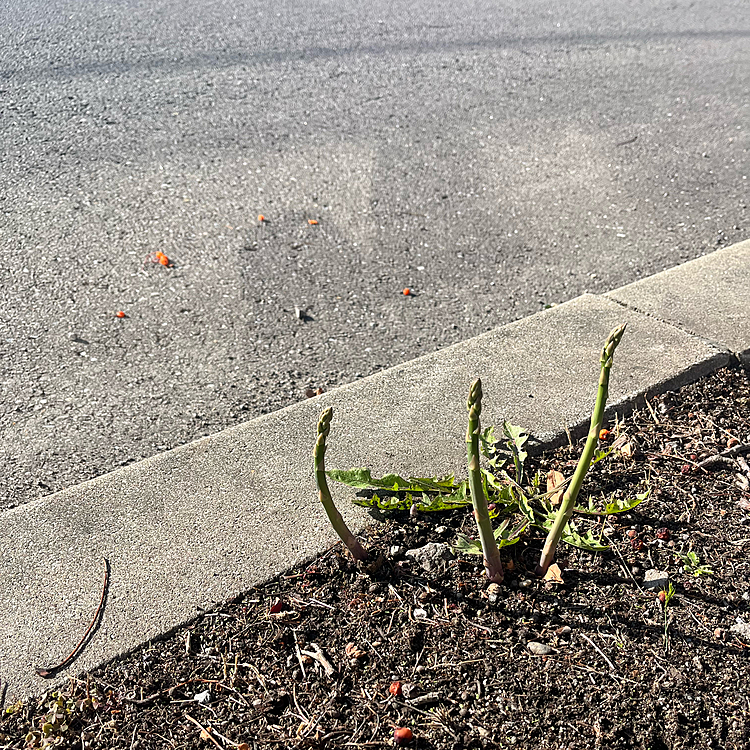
(324, 427)
(571, 494)
(492, 565)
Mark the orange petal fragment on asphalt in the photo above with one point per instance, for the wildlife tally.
(119, 314)
(407, 291)
(312, 221)
(261, 217)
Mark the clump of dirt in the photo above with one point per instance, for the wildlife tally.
(643, 646)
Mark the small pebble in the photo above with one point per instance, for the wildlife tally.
(539, 649)
(655, 580)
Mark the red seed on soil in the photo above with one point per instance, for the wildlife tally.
(685, 469)
(663, 533)
(402, 735)
(395, 688)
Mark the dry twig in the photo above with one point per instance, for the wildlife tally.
(52, 671)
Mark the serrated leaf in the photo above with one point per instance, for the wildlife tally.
(525, 507)
(586, 541)
(614, 506)
(465, 546)
(487, 442)
(362, 479)
(517, 438)
(504, 536)
(601, 454)
(424, 502)
(570, 534)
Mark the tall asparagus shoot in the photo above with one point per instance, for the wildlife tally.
(492, 565)
(324, 427)
(565, 510)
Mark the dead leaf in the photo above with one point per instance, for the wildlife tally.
(276, 607)
(553, 574)
(243, 746)
(555, 479)
(353, 651)
(206, 734)
(627, 450)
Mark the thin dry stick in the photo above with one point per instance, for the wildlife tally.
(205, 733)
(320, 658)
(299, 654)
(51, 671)
(601, 653)
(735, 450)
(622, 562)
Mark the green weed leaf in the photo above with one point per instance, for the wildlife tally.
(613, 506)
(504, 536)
(487, 442)
(600, 454)
(425, 503)
(517, 438)
(362, 479)
(586, 541)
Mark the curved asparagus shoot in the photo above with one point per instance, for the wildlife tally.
(324, 427)
(492, 565)
(571, 494)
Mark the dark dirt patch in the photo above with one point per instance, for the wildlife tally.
(620, 672)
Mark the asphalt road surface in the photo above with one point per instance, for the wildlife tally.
(493, 157)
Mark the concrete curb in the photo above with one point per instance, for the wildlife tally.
(200, 524)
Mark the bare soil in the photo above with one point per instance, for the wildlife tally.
(335, 655)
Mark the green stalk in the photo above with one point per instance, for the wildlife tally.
(597, 417)
(324, 427)
(492, 565)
